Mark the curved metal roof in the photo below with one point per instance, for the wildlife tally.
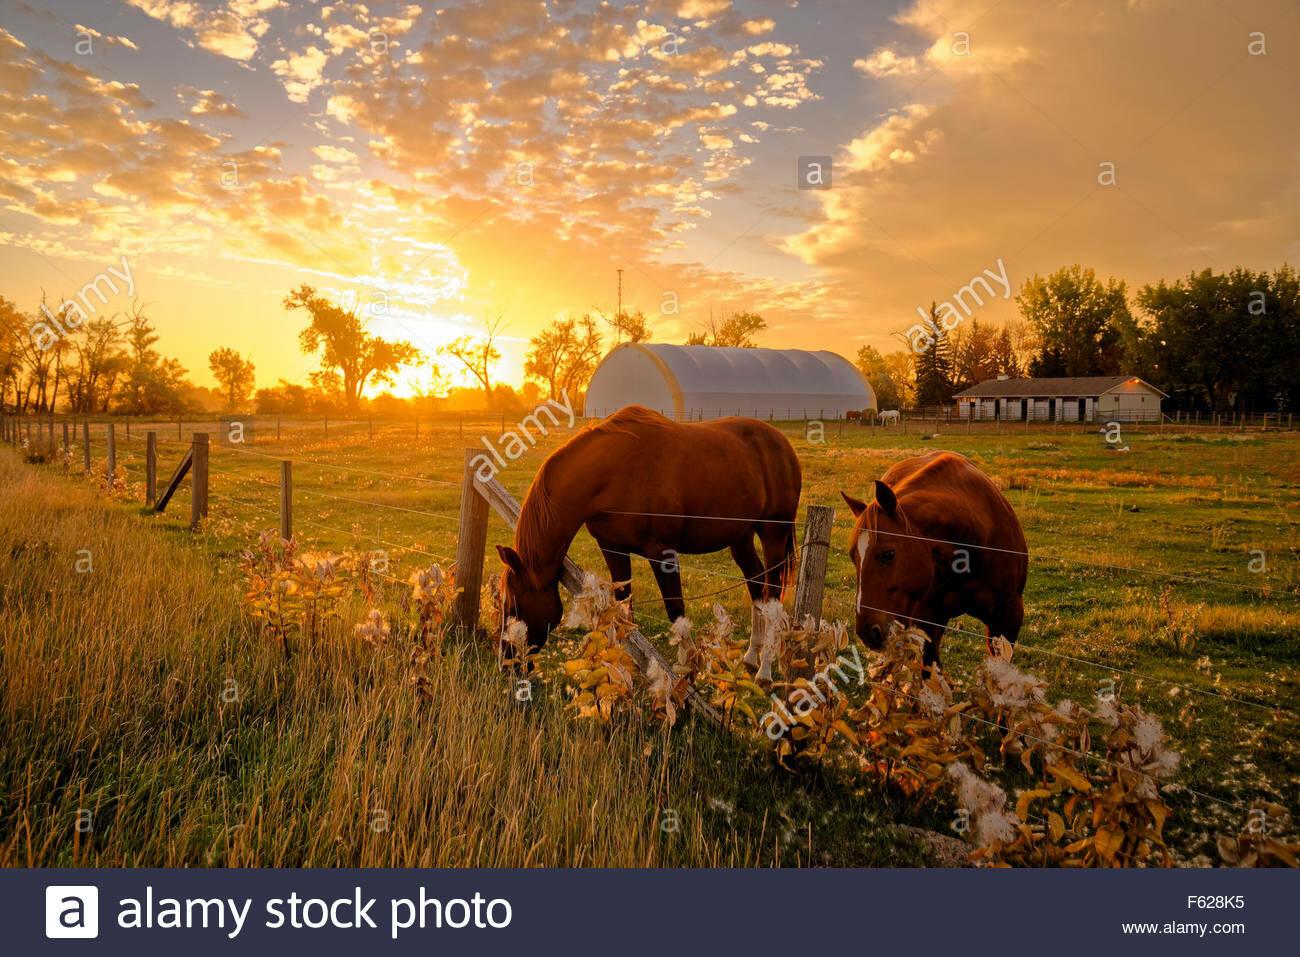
(726, 379)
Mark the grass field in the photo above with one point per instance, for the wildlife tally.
(1143, 572)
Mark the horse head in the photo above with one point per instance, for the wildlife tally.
(895, 565)
(526, 597)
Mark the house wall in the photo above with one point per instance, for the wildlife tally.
(1133, 405)
(1131, 402)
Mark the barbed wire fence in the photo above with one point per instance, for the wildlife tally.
(236, 486)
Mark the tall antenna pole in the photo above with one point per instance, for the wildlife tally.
(620, 293)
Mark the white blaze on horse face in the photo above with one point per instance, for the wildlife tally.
(864, 547)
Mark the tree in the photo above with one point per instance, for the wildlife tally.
(879, 374)
(629, 327)
(1226, 340)
(564, 355)
(934, 366)
(99, 359)
(358, 357)
(1077, 321)
(737, 329)
(153, 384)
(478, 355)
(974, 355)
(1005, 361)
(233, 373)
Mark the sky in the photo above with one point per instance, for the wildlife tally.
(446, 165)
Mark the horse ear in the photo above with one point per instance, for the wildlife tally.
(885, 498)
(512, 559)
(856, 506)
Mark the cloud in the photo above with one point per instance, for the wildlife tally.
(998, 153)
(107, 38)
(209, 103)
(886, 62)
(231, 29)
(301, 72)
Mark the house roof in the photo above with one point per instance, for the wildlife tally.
(1077, 386)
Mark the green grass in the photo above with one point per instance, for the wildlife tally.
(1109, 534)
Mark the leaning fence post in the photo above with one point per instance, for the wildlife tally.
(286, 500)
(471, 541)
(812, 563)
(85, 444)
(150, 468)
(111, 468)
(199, 476)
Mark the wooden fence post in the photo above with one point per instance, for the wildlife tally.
(85, 444)
(277, 428)
(111, 468)
(199, 473)
(179, 428)
(66, 444)
(286, 500)
(812, 563)
(471, 541)
(371, 423)
(150, 468)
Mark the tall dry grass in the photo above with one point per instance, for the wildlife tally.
(145, 721)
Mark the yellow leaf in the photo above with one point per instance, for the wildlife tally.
(1028, 798)
(1108, 843)
(845, 730)
(1056, 825)
(1070, 777)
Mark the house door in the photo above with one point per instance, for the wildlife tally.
(1051, 410)
(1083, 410)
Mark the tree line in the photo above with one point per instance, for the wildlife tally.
(1211, 341)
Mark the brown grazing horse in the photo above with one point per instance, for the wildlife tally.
(645, 485)
(939, 541)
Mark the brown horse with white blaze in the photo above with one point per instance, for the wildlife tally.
(939, 541)
(645, 485)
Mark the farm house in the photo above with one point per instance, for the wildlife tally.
(1112, 398)
(706, 382)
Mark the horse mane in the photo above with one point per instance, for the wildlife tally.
(623, 421)
(537, 516)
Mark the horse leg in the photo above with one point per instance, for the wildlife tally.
(930, 656)
(620, 573)
(778, 551)
(1006, 622)
(746, 558)
(668, 574)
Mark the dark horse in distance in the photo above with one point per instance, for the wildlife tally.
(645, 485)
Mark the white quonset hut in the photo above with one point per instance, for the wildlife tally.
(690, 383)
